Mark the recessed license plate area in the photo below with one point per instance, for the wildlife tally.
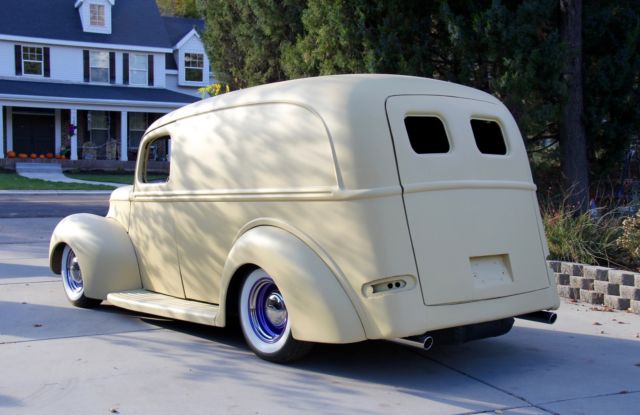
(491, 271)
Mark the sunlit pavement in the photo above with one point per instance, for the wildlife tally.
(58, 359)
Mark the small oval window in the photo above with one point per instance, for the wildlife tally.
(427, 135)
(489, 138)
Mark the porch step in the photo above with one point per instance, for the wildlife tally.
(166, 306)
(36, 167)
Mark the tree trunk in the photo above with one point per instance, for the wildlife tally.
(573, 142)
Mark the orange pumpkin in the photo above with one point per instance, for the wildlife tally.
(11, 154)
(22, 156)
(57, 156)
(33, 155)
(49, 155)
(41, 156)
(63, 157)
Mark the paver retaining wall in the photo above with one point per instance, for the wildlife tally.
(596, 285)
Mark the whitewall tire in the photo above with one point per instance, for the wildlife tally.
(73, 281)
(265, 321)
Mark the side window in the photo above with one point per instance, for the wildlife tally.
(157, 160)
(427, 135)
(489, 138)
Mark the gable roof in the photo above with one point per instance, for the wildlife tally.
(134, 22)
(179, 27)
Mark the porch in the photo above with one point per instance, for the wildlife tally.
(92, 126)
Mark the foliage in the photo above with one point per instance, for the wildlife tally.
(214, 89)
(577, 237)
(630, 238)
(511, 49)
(611, 80)
(182, 8)
(245, 38)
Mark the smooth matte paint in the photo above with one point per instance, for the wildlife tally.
(314, 181)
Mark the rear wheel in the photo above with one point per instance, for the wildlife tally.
(265, 321)
(73, 282)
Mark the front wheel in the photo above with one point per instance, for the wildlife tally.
(73, 282)
(265, 321)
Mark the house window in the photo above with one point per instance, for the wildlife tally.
(137, 126)
(138, 68)
(96, 13)
(99, 64)
(99, 127)
(194, 67)
(32, 60)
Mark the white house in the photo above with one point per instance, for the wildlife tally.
(86, 77)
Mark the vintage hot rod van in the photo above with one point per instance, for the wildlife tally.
(334, 209)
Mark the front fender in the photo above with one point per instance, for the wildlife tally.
(319, 309)
(103, 248)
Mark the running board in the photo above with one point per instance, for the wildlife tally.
(166, 306)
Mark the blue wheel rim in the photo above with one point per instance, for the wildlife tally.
(261, 310)
(73, 274)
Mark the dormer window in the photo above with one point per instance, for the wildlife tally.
(96, 13)
(193, 67)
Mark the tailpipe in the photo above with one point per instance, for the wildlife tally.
(463, 334)
(426, 340)
(546, 317)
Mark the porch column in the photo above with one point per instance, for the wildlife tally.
(58, 133)
(124, 136)
(9, 128)
(1, 132)
(74, 137)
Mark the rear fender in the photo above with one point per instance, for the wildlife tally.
(319, 308)
(103, 248)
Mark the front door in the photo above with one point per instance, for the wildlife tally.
(151, 227)
(34, 132)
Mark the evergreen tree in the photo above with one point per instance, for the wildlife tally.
(245, 38)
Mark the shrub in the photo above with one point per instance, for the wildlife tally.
(580, 238)
(630, 238)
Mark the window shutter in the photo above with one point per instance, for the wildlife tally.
(150, 70)
(112, 67)
(85, 65)
(47, 64)
(125, 68)
(18, 50)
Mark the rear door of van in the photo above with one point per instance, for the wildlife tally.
(469, 198)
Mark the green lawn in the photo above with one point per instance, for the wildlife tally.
(11, 181)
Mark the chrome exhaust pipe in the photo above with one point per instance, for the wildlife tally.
(546, 317)
(428, 342)
(425, 340)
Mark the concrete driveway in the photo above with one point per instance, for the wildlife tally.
(56, 359)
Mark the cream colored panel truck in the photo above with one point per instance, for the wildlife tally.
(325, 210)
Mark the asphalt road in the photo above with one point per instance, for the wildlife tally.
(56, 359)
(52, 205)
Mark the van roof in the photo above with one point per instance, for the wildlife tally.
(330, 93)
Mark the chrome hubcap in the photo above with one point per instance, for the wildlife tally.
(267, 311)
(275, 309)
(73, 274)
